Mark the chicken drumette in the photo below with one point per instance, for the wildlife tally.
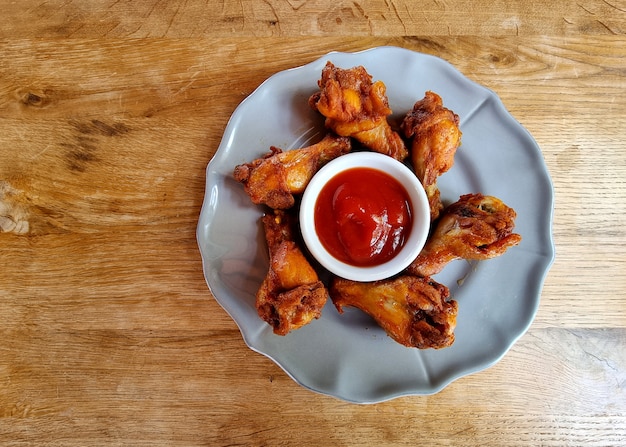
(434, 137)
(275, 178)
(414, 311)
(354, 106)
(476, 227)
(291, 294)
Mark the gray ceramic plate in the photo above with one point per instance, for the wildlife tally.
(348, 356)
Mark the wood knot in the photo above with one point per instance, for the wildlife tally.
(13, 215)
(501, 59)
(34, 98)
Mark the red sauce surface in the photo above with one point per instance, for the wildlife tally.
(363, 216)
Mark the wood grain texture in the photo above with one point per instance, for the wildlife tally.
(199, 18)
(109, 334)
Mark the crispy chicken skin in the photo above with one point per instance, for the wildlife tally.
(291, 294)
(434, 135)
(414, 311)
(476, 227)
(275, 178)
(354, 106)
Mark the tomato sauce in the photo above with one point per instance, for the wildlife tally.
(363, 216)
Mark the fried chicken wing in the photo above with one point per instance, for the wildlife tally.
(415, 312)
(291, 294)
(275, 178)
(354, 106)
(434, 136)
(476, 227)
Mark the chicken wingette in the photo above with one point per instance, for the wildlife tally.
(291, 294)
(434, 135)
(275, 178)
(356, 107)
(414, 311)
(476, 227)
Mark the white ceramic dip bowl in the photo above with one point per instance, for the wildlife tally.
(418, 206)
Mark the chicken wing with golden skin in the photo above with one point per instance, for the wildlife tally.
(275, 178)
(414, 311)
(356, 107)
(434, 135)
(476, 227)
(291, 294)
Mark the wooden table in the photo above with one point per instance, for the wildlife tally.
(109, 114)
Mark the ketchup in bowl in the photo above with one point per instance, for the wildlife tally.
(363, 216)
